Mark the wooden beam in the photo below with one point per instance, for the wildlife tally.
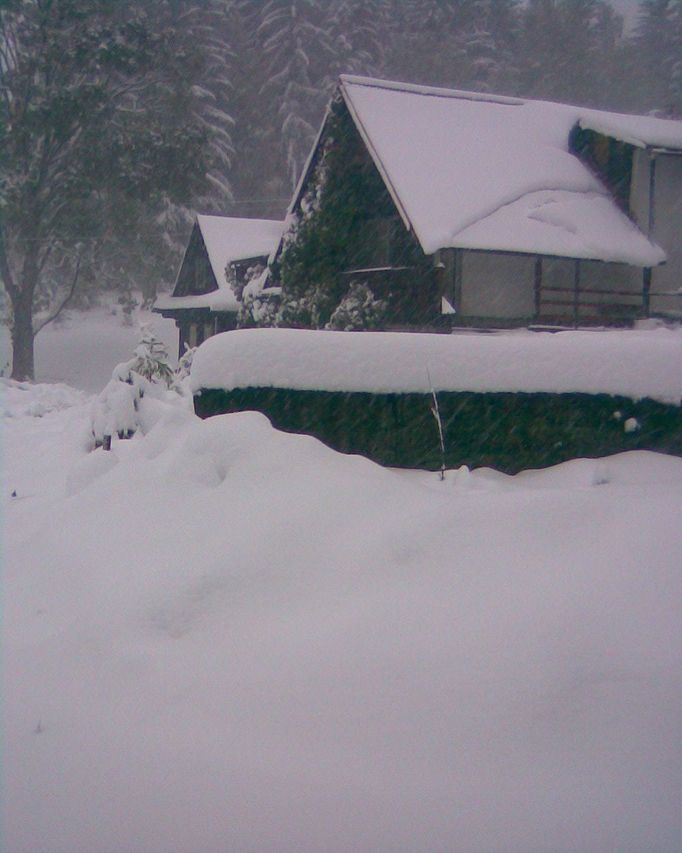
(646, 291)
(576, 293)
(537, 286)
(652, 193)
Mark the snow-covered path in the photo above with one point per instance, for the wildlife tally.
(220, 637)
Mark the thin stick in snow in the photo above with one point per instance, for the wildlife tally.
(435, 411)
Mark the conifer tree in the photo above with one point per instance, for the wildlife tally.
(659, 43)
(566, 50)
(297, 49)
(355, 37)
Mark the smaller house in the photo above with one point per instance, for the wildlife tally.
(215, 268)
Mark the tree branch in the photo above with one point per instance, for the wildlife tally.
(62, 305)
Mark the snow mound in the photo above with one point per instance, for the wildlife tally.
(232, 638)
(27, 399)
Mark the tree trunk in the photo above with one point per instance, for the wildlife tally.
(22, 340)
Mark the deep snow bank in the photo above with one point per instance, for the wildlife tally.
(228, 638)
(635, 364)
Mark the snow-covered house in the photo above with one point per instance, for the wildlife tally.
(473, 209)
(220, 253)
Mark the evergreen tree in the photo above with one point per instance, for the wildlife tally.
(567, 48)
(487, 56)
(659, 44)
(424, 46)
(356, 40)
(256, 173)
(298, 50)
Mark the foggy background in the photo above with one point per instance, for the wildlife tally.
(229, 95)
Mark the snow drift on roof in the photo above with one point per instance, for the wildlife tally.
(560, 222)
(452, 160)
(222, 299)
(639, 363)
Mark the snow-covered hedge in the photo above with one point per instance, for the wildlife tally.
(509, 432)
(509, 401)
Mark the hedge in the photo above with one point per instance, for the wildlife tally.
(506, 431)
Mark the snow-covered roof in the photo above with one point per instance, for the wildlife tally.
(632, 363)
(478, 171)
(227, 240)
(222, 299)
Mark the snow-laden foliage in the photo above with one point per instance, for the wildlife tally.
(151, 358)
(358, 310)
(659, 44)
(258, 308)
(180, 382)
(184, 367)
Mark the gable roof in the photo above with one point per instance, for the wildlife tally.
(227, 240)
(478, 171)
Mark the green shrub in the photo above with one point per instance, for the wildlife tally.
(507, 431)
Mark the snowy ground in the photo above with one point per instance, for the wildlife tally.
(221, 637)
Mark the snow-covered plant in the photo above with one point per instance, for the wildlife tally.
(252, 273)
(358, 310)
(258, 309)
(128, 304)
(180, 379)
(151, 358)
(118, 410)
(184, 367)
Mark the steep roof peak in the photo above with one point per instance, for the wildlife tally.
(639, 130)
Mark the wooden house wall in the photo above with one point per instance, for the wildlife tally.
(667, 230)
(656, 207)
(506, 289)
(196, 274)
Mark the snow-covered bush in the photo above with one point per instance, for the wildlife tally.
(128, 304)
(252, 273)
(180, 382)
(358, 310)
(258, 309)
(119, 410)
(151, 358)
(184, 365)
